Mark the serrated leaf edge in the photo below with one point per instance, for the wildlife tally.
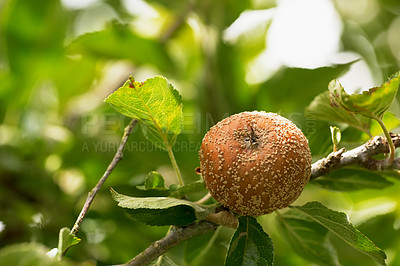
(380, 251)
(132, 84)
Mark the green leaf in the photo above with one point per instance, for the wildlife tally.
(177, 191)
(285, 90)
(336, 136)
(194, 246)
(118, 41)
(319, 138)
(157, 106)
(33, 41)
(27, 254)
(386, 225)
(372, 103)
(154, 181)
(162, 210)
(339, 224)
(197, 248)
(349, 179)
(66, 240)
(307, 238)
(250, 245)
(321, 109)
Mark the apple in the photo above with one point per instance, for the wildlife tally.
(255, 162)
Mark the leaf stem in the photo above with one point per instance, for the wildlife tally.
(204, 199)
(159, 260)
(389, 140)
(175, 165)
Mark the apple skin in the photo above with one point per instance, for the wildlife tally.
(255, 162)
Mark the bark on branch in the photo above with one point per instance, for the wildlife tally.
(175, 236)
(362, 155)
(92, 194)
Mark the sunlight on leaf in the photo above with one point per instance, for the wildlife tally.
(336, 136)
(154, 181)
(390, 120)
(66, 240)
(157, 106)
(372, 103)
(321, 109)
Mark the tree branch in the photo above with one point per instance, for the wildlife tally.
(361, 155)
(117, 157)
(175, 236)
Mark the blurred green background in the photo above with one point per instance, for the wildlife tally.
(60, 59)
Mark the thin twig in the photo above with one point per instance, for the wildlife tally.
(117, 157)
(173, 238)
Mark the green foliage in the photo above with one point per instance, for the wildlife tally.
(372, 103)
(309, 239)
(286, 88)
(66, 240)
(37, 30)
(57, 64)
(162, 210)
(194, 187)
(349, 179)
(336, 137)
(26, 254)
(197, 248)
(320, 107)
(390, 120)
(101, 44)
(250, 245)
(339, 224)
(154, 181)
(156, 104)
